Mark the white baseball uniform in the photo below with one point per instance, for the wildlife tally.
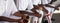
(43, 2)
(22, 5)
(35, 19)
(36, 2)
(8, 8)
(51, 10)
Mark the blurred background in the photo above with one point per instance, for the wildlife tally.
(56, 15)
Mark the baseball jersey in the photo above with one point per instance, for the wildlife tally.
(36, 2)
(8, 9)
(44, 1)
(2, 6)
(24, 4)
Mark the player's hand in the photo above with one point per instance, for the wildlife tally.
(18, 14)
(37, 15)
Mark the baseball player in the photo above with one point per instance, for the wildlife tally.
(45, 2)
(36, 19)
(7, 9)
(51, 10)
(23, 4)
